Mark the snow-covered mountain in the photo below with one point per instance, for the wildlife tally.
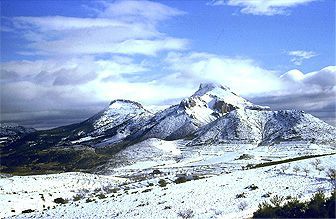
(266, 127)
(208, 103)
(212, 115)
(119, 120)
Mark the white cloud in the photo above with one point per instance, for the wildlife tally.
(262, 7)
(134, 10)
(242, 75)
(71, 84)
(313, 92)
(298, 56)
(316, 82)
(122, 27)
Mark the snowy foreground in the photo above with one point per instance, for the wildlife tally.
(218, 186)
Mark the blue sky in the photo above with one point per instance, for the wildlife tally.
(82, 54)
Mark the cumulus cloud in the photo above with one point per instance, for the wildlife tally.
(122, 27)
(313, 92)
(262, 7)
(314, 82)
(298, 56)
(241, 74)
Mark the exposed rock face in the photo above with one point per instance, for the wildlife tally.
(223, 107)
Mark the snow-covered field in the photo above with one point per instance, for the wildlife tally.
(218, 182)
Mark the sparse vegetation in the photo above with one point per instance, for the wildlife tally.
(320, 169)
(316, 163)
(306, 171)
(185, 214)
(284, 168)
(296, 169)
(242, 205)
(331, 173)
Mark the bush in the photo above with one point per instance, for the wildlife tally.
(245, 157)
(296, 169)
(181, 179)
(77, 197)
(241, 195)
(252, 187)
(277, 200)
(101, 196)
(146, 190)
(317, 207)
(89, 200)
(162, 182)
(27, 211)
(267, 195)
(331, 173)
(60, 201)
(113, 190)
(156, 171)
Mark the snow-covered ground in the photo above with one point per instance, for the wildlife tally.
(218, 182)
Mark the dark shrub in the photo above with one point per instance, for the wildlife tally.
(101, 196)
(156, 171)
(146, 190)
(89, 200)
(241, 195)
(27, 211)
(60, 201)
(245, 157)
(162, 182)
(77, 197)
(252, 187)
(181, 179)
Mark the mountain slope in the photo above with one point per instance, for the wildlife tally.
(119, 120)
(207, 104)
(266, 127)
(212, 115)
(74, 147)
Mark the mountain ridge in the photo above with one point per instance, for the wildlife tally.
(212, 115)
